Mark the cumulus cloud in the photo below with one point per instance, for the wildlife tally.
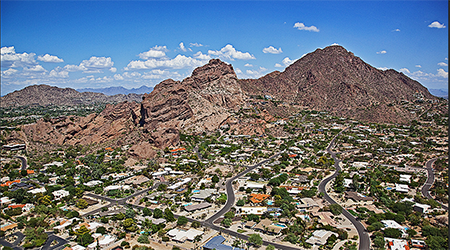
(59, 73)
(442, 73)
(405, 70)
(230, 53)
(97, 63)
(382, 52)
(437, 25)
(383, 68)
(118, 77)
(397, 30)
(442, 64)
(251, 73)
(238, 71)
(302, 26)
(113, 70)
(418, 66)
(50, 59)
(334, 44)
(248, 65)
(196, 45)
(199, 55)
(183, 48)
(272, 50)
(287, 61)
(9, 72)
(179, 62)
(9, 58)
(155, 52)
(278, 65)
(36, 68)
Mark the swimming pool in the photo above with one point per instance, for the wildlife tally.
(388, 188)
(188, 204)
(195, 191)
(270, 203)
(279, 225)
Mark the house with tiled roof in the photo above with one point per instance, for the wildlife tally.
(258, 198)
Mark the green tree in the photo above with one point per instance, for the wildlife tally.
(335, 209)
(129, 225)
(215, 179)
(240, 203)
(255, 239)
(130, 213)
(182, 220)
(379, 242)
(392, 233)
(270, 247)
(226, 222)
(147, 212)
(101, 230)
(229, 215)
(82, 204)
(168, 215)
(143, 239)
(157, 213)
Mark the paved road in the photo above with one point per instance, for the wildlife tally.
(15, 244)
(24, 162)
(51, 238)
(230, 192)
(430, 180)
(364, 240)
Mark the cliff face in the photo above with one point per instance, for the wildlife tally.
(335, 80)
(199, 103)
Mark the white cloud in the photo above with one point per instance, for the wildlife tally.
(442, 73)
(382, 52)
(230, 53)
(278, 65)
(183, 48)
(383, 68)
(199, 55)
(155, 52)
(97, 63)
(73, 68)
(58, 73)
(301, 26)
(9, 72)
(437, 25)
(238, 71)
(256, 73)
(113, 70)
(118, 77)
(334, 44)
(196, 45)
(418, 66)
(9, 58)
(248, 65)
(272, 50)
(50, 58)
(179, 62)
(37, 68)
(287, 61)
(442, 64)
(397, 30)
(405, 70)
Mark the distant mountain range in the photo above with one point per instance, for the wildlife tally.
(118, 90)
(49, 95)
(439, 93)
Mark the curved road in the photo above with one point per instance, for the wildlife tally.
(24, 161)
(430, 180)
(364, 241)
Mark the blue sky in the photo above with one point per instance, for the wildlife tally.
(96, 44)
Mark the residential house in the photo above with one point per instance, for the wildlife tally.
(216, 243)
(258, 198)
(396, 244)
(320, 237)
(59, 194)
(203, 194)
(195, 207)
(181, 235)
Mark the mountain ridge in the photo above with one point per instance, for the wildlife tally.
(50, 95)
(118, 90)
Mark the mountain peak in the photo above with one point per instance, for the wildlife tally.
(214, 67)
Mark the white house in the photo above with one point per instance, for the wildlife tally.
(60, 194)
(401, 188)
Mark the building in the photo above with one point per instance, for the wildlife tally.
(195, 207)
(258, 198)
(59, 194)
(394, 224)
(252, 210)
(357, 197)
(396, 244)
(93, 183)
(216, 243)
(320, 237)
(269, 227)
(422, 208)
(181, 235)
(403, 188)
(201, 195)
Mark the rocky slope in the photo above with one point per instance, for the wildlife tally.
(335, 80)
(330, 79)
(47, 95)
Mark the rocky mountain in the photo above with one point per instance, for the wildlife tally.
(48, 95)
(118, 90)
(330, 79)
(333, 79)
(439, 93)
